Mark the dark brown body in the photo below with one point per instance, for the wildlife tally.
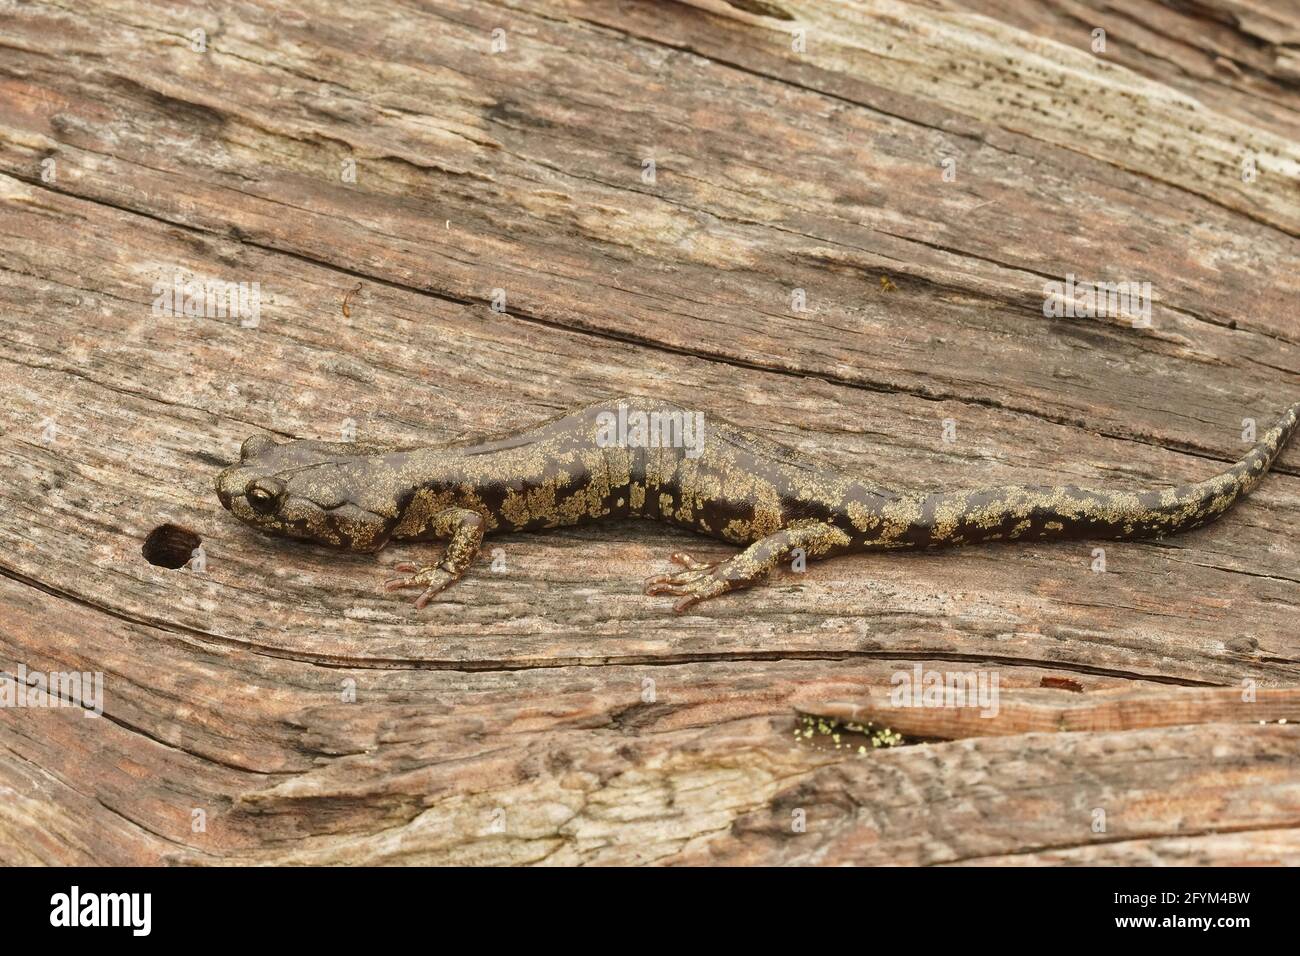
(713, 478)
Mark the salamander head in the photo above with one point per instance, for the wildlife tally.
(309, 490)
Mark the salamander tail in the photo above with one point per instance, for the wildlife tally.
(1065, 511)
(1158, 513)
(1250, 470)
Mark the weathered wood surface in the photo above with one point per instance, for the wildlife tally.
(508, 722)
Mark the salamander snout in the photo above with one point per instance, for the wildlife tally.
(234, 482)
(223, 491)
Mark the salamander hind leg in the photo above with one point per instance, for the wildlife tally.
(464, 531)
(699, 580)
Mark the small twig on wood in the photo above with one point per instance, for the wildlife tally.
(347, 314)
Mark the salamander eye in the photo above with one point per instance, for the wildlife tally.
(264, 495)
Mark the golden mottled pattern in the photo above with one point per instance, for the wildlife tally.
(728, 484)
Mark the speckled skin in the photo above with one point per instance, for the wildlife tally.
(742, 488)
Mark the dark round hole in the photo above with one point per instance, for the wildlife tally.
(170, 546)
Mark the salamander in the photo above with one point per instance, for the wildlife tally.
(642, 458)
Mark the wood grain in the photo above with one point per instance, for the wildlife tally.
(551, 713)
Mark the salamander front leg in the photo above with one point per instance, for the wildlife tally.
(464, 531)
(699, 581)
